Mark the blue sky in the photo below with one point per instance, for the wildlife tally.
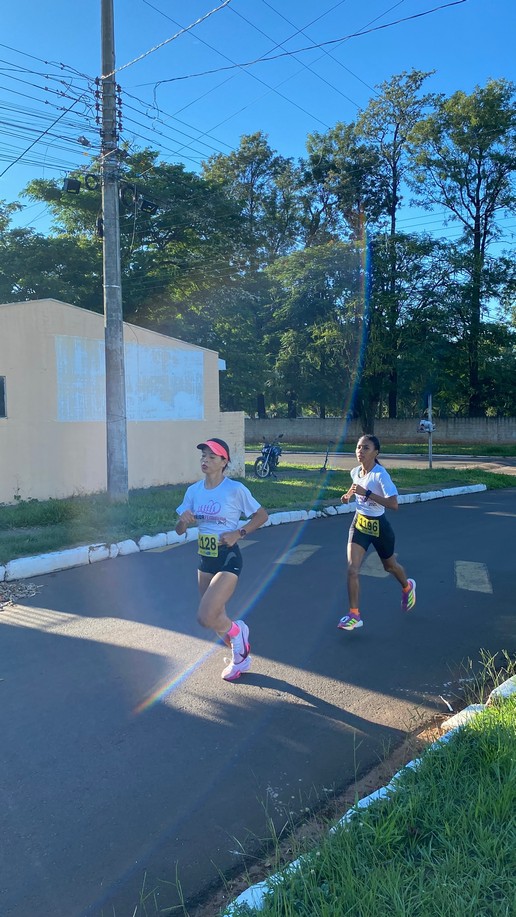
(188, 119)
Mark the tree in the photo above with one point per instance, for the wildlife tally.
(465, 161)
(337, 185)
(412, 335)
(33, 266)
(386, 125)
(315, 326)
(263, 185)
(185, 241)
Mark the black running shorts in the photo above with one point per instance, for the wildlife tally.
(229, 560)
(383, 543)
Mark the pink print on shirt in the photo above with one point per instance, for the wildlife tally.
(209, 512)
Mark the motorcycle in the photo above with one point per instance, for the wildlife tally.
(266, 463)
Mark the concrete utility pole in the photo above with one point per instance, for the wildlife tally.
(116, 422)
(429, 414)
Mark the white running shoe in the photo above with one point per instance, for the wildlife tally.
(240, 658)
(235, 669)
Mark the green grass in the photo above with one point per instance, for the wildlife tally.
(37, 527)
(442, 845)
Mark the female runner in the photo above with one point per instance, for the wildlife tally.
(374, 492)
(216, 505)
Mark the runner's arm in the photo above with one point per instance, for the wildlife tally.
(388, 502)
(257, 519)
(187, 518)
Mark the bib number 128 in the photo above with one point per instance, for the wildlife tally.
(208, 545)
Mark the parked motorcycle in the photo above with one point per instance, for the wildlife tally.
(266, 463)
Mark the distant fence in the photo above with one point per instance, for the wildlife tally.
(459, 430)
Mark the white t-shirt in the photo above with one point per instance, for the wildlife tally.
(379, 481)
(220, 509)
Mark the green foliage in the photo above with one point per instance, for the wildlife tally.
(442, 843)
(34, 527)
(262, 258)
(317, 324)
(465, 161)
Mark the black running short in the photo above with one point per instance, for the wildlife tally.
(229, 560)
(381, 535)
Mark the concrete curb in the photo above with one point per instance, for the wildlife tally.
(254, 895)
(37, 565)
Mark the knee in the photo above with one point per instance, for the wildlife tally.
(204, 614)
(202, 618)
(389, 565)
(353, 570)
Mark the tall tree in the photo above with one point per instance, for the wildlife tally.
(413, 335)
(465, 154)
(338, 185)
(315, 327)
(386, 125)
(263, 186)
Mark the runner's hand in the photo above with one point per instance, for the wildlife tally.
(187, 518)
(230, 538)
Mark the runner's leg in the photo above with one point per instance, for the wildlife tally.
(391, 565)
(356, 554)
(216, 589)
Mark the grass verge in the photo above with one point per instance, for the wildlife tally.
(442, 844)
(36, 527)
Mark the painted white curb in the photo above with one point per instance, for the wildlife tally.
(25, 567)
(254, 896)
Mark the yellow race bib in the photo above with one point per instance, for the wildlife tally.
(208, 545)
(367, 525)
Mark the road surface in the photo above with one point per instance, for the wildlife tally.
(123, 751)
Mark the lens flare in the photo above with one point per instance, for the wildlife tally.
(361, 321)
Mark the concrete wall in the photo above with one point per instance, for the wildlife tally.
(453, 430)
(53, 439)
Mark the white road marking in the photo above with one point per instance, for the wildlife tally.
(298, 555)
(372, 566)
(245, 544)
(472, 576)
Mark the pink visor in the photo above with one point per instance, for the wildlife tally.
(215, 447)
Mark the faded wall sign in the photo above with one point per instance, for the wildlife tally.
(162, 383)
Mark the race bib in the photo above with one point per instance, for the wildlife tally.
(208, 545)
(367, 525)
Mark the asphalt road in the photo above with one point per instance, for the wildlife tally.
(123, 751)
(346, 461)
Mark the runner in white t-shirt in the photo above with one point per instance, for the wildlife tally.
(216, 505)
(374, 492)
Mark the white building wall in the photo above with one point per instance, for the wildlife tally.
(53, 439)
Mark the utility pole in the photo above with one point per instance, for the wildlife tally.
(116, 421)
(429, 414)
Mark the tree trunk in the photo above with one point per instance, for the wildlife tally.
(260, 406)
(475, 406)
(393, 394)
(291, 405)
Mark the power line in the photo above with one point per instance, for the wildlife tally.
(333, 41)
(167, 40)
(303, 31)
(39, 138)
